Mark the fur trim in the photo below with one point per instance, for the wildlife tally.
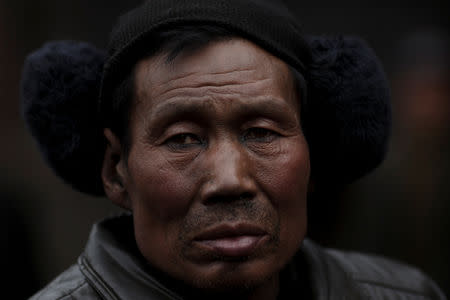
(349, 112)
(60, 86)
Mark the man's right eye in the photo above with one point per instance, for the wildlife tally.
(183, 141)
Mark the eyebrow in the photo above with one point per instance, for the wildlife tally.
(197, 110)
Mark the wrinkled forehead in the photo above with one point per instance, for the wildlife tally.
(233, 62)
(234, 59)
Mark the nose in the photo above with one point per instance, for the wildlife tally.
(228, 174)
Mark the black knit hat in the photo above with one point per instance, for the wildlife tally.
(265, 22)
(67, 86)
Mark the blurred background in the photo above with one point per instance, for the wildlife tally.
(402, 210)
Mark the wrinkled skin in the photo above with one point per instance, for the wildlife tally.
(215, 141)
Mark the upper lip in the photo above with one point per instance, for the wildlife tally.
(229, 230)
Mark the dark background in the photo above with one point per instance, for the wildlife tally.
(47, 223)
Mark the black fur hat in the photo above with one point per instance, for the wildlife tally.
(66, 87)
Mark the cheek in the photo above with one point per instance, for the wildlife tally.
(159, 189)
(285, 181)
(285, 178)
(160, 196)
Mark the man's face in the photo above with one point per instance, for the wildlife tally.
(218, 167)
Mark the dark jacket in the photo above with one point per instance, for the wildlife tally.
(112, 268)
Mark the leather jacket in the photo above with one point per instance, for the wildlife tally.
(111, 267)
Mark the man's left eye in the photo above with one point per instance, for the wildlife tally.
(261, 135)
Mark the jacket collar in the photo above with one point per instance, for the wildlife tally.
(115, 268)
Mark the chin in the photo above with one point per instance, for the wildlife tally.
(236, 276)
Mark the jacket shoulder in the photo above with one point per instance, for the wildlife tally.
(382, 278)
(71, 284)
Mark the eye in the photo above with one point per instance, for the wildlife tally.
(183, 141)
(260, 135)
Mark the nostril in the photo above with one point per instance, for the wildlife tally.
(224, 198)
(246, 196)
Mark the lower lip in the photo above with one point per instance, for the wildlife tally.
(233, 247)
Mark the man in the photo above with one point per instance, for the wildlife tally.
(208, 139)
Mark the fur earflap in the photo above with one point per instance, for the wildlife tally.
(349, 112)
(60, 87)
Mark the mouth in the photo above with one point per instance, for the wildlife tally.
(232, 241)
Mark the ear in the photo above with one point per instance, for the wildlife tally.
(114, 171)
